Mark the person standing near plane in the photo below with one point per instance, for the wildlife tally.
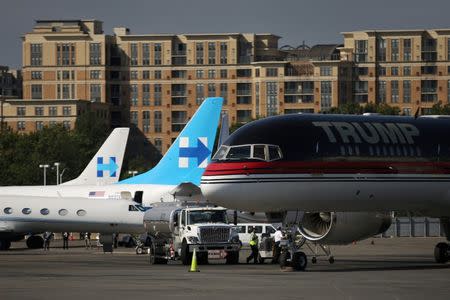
(254, 246)
(65, 240)
(47, 238)
(87, 240)
(277, 249)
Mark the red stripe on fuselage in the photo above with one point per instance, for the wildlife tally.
(295, 167)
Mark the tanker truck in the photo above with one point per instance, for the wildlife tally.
(175, 230)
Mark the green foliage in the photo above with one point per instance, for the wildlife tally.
(358, 109)
(439, 109)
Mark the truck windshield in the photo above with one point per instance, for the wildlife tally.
(207, 216)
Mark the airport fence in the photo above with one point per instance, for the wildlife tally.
(414, 227)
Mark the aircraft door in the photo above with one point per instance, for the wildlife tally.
(138, 196)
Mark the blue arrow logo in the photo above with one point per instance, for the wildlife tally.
(111, 167)
(201, 152)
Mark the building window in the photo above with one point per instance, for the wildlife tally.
(199, 53)
(394, 71)
(224, 92)
(211, 89)
(199, 74)
(381, 49)
(21, 111)
(244, 73)
(66, 91)
(145, 54)
(36, 75)
(133, 75)
(146, 94)
(133, 54)
(146, 121)
(406, 91)
(448, 91)
(406, 71)
(96, 92)
(325, 95)
(271, 72)
(179, 119)
(158, 54)
(200, 93)
(134, 95)
(211, 53)
(179, 74)
(211, 74)
(223, 53)
(272, 98)
(382, 91)
(65, 54)
(158, 121)
(39, 125)
(95, 54)
(360, 50)
(243, 116)
(20, 125)
(95, 74)
(429, 90)
(394, 91)
(328, 71)
(39, 111)
(157, 94)
(158, 144)
(145, 74)
(179, 94)
(36, 54)
(158, 74)
(407, 49)
(134, 118)
(66, 125)
(67, 110)
(36, 91)
(53, 111)
(394, 50)
(244, 93)
(223, 73)
(382, 71)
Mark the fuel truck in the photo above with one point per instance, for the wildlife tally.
(176, 229)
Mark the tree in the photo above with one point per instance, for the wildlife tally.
(439, 109)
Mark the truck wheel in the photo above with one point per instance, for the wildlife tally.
(284, 257)
(152, 254)
(232, 258)
(186, 256)
(299, 261)
(202, 258)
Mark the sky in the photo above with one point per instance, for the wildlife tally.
(312, 21)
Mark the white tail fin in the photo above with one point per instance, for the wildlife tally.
(105, 167)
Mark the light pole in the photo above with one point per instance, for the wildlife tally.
(61, 175)
(57, 172)
(45, 172)
(1, 113)
(132, 173)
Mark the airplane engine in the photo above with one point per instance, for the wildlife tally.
(343, 227)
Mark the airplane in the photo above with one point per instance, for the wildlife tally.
(339, 175)
(177, 175)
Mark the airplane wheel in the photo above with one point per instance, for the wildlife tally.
(299, 261)
(331, 260)
(35, 242)
(139, 250)
(314, 260)
(441, 253)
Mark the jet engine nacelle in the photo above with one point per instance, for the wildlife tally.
(343, 227)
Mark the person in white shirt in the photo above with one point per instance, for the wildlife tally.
(277, 249)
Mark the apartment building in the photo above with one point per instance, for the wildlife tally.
(405, 68)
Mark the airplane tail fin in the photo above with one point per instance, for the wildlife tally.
(106, 165)
(187, 158)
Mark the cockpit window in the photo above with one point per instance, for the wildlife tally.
(141, 208)
(132, 208)
(249, 152)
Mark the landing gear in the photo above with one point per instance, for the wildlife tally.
(442, 253)
(298, 262)
(5, 245)
(35, 242)
(317, 248)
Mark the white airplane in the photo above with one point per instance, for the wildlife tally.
(176, 175)
(341, 175)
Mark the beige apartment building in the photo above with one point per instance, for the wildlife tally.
(156, 81)
(405, 68)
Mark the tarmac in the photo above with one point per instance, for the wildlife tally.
(397, 268)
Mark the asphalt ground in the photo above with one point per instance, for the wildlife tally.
(398, 268)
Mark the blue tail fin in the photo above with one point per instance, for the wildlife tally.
(187, 158)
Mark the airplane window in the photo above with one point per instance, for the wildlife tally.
(45, 211)
(63, 212)
(132, 208)
(221, 153)
(274, 152)
(259, 152)
(8, 210)
(239, 152)
(26, 211)
(81, 212)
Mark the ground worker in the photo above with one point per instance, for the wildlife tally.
(87, 240)
(254, 246)
(47, 238)
(277, 249)
(66, 240)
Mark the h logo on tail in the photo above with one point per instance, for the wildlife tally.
(201, 152)
(111, 167)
